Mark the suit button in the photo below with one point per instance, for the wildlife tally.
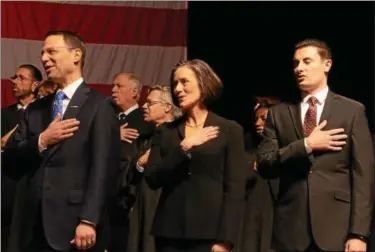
(310, 171)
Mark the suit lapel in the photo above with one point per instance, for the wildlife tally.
(181, 128)
(76, 102)
(47, 116)
(328, 105)
(295, 113)
(74, 106)
(210, 120)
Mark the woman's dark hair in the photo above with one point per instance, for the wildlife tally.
(209, 83)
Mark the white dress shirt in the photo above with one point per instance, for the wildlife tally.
(129, 110)
(20, 106)
(69, 91)
(321, 96)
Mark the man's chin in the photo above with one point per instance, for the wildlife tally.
(304, 86)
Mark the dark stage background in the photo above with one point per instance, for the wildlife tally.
(250, 46)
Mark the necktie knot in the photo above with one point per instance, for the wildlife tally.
(60, 95)
(122, 117)
(312, 101)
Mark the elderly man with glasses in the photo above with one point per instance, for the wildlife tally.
(158, 109)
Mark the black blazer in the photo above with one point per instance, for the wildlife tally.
(135, 120)
(72, 180)
(10, 117)
(128, 153)
(328, 194)
(202, 196)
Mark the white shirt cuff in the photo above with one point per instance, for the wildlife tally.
(139, 168)
(40, 146)
(308, 150)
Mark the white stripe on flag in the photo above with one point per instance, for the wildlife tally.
(153, 64)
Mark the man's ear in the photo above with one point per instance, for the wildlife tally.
(327, 65)
(77, 56)
(35, 85)
(168, 108)
(135, 92)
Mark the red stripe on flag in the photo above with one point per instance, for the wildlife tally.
(96, 24)
(8, 99)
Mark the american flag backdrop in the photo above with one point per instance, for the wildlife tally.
(144, 37)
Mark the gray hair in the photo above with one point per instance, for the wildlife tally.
(166, 97)
(136, 83)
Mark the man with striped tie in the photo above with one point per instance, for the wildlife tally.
(320, 149)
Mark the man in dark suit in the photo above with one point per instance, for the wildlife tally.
(67, 146)
(134, 129)
(320, 149)
(24, 81)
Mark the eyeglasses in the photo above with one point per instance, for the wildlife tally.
(19, 77)
(52, 51)
(150, 103)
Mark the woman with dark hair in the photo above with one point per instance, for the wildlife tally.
(199, 162)
(257, 223)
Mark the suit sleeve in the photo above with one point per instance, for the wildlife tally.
(269, 154)
(235, 177)
(161, 170)
(362, 175)
(105, 163)
(21, 151)
(4, 120)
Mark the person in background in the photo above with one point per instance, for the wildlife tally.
(158, 109)
(126, 92)
(24, 81)
(257, 224)
(47, 87)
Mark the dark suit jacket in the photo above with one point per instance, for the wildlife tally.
(202, 196)
(71, 180)
(136, 121)
(324, 195)
(130, 152)
(9, 118)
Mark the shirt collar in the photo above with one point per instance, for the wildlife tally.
(70, 89)
(320, 96)
(129, 110)
(20, 106)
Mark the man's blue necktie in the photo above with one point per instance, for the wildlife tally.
(58, 104)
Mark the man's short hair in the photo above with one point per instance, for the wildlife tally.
(72, 40)
(49, 83)
(323, 49)
(35, 72)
